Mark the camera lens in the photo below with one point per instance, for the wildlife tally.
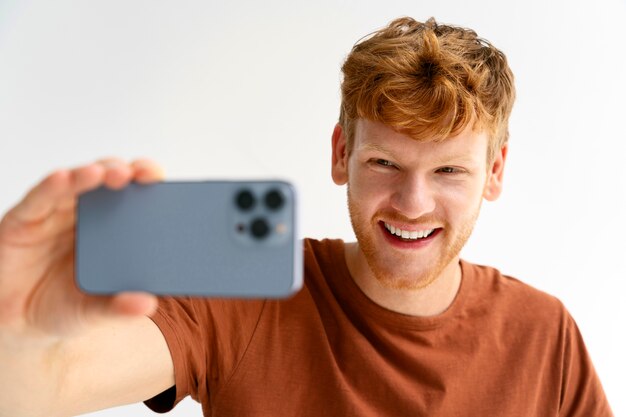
(274, 200)
(245, 200)
(259, 228)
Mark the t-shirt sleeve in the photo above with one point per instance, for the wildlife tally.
(206, 339)
(581, 394)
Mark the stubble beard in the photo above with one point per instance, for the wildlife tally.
(364, 229)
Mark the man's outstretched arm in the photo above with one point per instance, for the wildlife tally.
(63, 352)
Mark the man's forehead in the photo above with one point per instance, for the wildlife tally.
(375, 136)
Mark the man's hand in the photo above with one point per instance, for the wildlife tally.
(39, 300)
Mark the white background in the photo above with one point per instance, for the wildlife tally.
(251, 89)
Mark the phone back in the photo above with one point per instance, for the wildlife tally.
(214, 238)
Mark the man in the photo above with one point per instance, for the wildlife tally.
(394, 324)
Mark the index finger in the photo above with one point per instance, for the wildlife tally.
(147, 171)
(56, 190)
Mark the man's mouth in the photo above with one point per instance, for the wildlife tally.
(409, 235)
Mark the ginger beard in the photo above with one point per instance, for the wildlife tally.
(393, 273)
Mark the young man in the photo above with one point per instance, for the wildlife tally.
(394, 324)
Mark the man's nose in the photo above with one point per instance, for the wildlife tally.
(413, 197)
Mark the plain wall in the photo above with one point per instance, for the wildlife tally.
(250, 89)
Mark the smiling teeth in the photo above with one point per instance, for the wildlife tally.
(408, 234)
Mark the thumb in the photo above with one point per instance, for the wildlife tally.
(133, 304)
(122, 305)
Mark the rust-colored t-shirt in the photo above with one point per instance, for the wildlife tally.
(501, 349)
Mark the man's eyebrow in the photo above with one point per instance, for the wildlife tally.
(462, 158)
(377, 147)
(458, 158)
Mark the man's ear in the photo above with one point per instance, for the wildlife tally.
(493, 186)
(339, 169)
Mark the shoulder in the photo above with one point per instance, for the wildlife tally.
(314, 248)
(536, 330)
(528, 322)
(512, 298)
(322, 255)
(490, 280)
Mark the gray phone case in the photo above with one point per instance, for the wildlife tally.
(189, 238)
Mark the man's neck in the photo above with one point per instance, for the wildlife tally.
(431, 300)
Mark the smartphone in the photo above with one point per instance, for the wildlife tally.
(205, 238)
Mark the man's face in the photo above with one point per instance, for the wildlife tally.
(413, 205)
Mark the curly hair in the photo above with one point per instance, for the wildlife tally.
(429, 81)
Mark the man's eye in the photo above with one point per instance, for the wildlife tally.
(448, 170)
(384, 162)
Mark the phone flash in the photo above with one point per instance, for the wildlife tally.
(281, 228)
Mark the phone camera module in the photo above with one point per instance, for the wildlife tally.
(259, 228)
(274, 199)
(245, 200)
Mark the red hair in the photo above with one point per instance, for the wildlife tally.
(428, 81)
